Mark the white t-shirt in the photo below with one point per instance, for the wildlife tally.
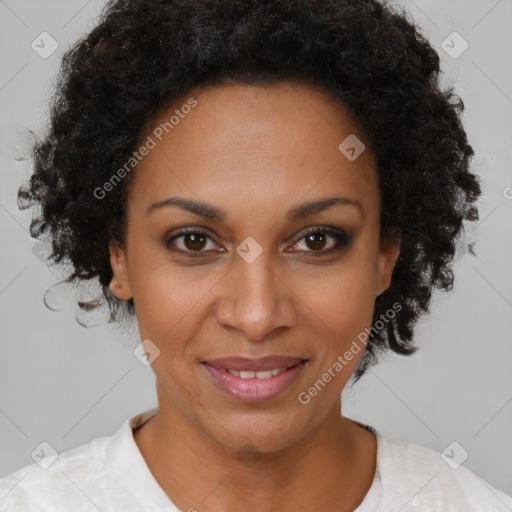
(109, 474)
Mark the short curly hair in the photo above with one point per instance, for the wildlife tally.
(144, 54)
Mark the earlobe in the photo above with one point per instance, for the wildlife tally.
(389, 253)
(119, 285)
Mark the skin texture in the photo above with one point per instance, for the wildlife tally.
(254, 152)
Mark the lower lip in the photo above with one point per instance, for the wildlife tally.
(254, 390)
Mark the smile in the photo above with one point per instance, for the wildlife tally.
(254, 380)
(266, 374)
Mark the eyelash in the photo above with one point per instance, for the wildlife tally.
(341, 237)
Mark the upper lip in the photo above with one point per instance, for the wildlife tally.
(259, 364)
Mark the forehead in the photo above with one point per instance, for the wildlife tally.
(259, 144)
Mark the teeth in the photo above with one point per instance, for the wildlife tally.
(266, 374)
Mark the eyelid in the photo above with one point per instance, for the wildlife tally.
(184, 231)
(315, 228)
(343, 239)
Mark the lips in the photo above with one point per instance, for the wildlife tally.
(254, 380)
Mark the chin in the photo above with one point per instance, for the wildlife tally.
(264, 432)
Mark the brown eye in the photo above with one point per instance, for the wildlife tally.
(188, 242)
(317, 239)
(194, 241)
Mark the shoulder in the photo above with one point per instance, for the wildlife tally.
(413, 475)
(107, 474)
(67, 481)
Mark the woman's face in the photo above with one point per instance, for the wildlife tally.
(253, 283)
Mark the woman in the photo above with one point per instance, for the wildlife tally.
(256, 182)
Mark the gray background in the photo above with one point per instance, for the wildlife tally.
(65, 384)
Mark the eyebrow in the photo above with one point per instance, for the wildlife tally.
(210, 212)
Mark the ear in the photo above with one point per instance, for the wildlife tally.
(388, 254)
(119, 285)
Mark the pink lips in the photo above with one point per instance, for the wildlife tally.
(254, 389)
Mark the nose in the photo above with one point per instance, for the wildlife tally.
(255, 299)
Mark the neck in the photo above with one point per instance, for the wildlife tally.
(331, 467)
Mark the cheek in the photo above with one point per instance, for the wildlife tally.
(343, 308)
(166, 294)
(344, 302)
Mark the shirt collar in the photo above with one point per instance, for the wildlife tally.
(127, 466)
